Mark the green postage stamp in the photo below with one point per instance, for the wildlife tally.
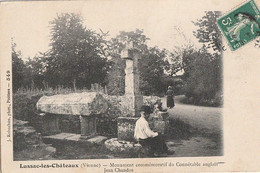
(242, 25)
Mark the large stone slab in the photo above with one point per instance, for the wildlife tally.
(86, 104)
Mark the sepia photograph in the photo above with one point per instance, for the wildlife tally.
(129, 86)
(96, 86)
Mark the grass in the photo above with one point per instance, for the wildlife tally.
(59, 90)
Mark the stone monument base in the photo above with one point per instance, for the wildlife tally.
(126, 128)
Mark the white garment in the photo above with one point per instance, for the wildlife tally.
(142, 129)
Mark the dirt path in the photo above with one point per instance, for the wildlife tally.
(205, 119)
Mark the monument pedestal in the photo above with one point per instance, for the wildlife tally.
(126, 128)
(133, 99)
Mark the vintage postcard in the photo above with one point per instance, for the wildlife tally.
(130, 86)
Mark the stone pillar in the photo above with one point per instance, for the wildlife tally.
(88, 126)
(133, 96)
(133, 99)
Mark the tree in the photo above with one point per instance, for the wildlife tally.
(118, 43)
(202, 75)
(209, 33)
(152, 67)
(203, 68)
(177, 59)
(152, 64)
(77, 57)
(35, 71)
(17, 69)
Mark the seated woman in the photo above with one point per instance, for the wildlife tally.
(146, 136)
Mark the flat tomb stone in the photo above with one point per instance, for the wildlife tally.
(86, 104)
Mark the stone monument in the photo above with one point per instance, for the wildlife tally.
(88, 106)
(132, 78)
(133, 98)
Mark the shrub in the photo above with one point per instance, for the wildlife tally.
(203, 78)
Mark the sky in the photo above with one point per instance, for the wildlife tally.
(158, 19)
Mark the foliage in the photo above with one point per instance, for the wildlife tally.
(203, 76)
(209, 33)
(35, 72)
(25, 108)
(152, 64)
(174, 63)
(203, 67)
(176, 82)
(77, 56)
(152, 74)
(118, 43)
(18, 68)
